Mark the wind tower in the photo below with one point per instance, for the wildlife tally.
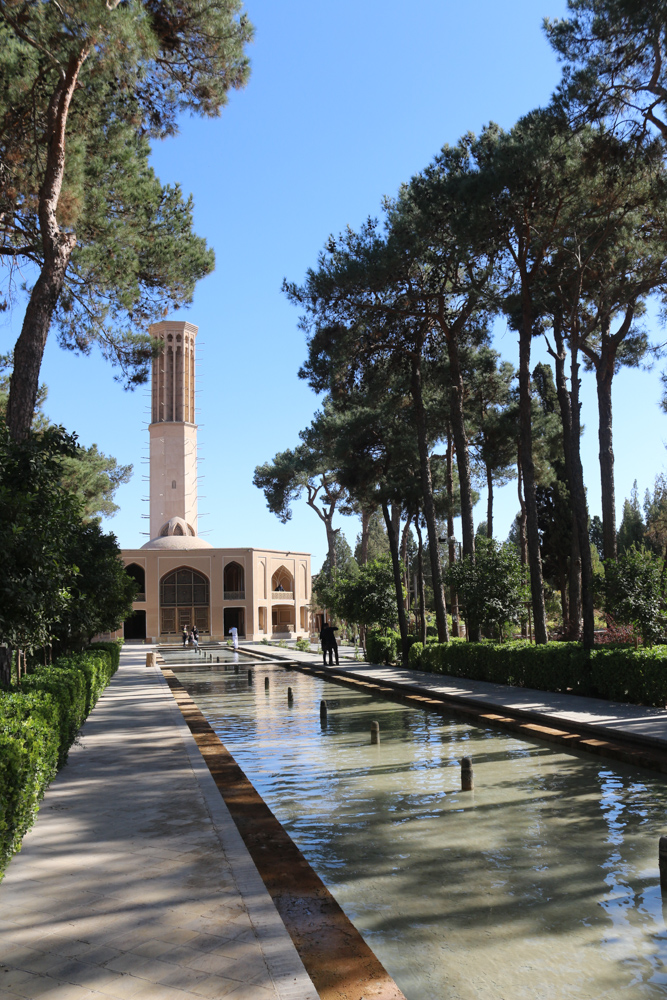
(173, 437)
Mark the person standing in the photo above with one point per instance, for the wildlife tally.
(184, 633)
(195, 637)
(329, 644)
(234, 632)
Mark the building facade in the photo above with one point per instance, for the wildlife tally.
(182, 579)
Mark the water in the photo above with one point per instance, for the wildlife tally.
(188, 656)
(542, 883)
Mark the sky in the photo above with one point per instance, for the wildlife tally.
(346, 101)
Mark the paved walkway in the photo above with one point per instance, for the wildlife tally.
(135, 884)
(607, 719)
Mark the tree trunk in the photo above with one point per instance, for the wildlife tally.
(422, 588)
(453, 596)
(331, 544)
(57, 249)
(579, 504)
(574, 631)
(462, 462)
(429, 506)
(404, 560)
(604, 374)
(461, 445)
(523, 542)
(29, 348)
(526, 449)
(392, 533)
(581, 598)
(581, 564)
(564, 598)
(365, 531)
(489, 502)
(5, 666)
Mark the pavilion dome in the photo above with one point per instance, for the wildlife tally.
(177, 534)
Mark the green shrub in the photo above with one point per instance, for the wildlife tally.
(69, 691)
(303, 645)
(37, 727)
(415, 655)
(112, 648)
(28, 761)
(381, 648)
(638, 676)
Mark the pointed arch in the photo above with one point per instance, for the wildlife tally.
(282, 581)
(233, 582)
(138, 574)
(184, 601)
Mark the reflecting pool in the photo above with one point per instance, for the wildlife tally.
(542, 883)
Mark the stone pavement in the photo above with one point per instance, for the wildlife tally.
(134, 883)
(606, 719)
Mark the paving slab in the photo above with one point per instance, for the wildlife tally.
(134, 883)
(608, 719)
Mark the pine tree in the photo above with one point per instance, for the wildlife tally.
(632, 529)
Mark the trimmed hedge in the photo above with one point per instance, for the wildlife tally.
(113, 648)
(638, 676)
(415, 655)
(38, 724)
(29, 741)
(380, 648)
(386, 648)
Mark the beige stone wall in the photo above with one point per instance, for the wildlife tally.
(266, 612)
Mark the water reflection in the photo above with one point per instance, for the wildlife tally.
(541, 883)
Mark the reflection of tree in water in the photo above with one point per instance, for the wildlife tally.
(538, 871)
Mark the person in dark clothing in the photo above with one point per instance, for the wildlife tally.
(184, 633)
(329, 644)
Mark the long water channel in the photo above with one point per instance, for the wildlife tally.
(542, 883)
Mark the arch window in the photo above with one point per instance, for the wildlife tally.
(184, 601)
(139, 576)
(282, 583)
(234, 582)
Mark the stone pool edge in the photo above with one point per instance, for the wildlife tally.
(339, 962)
(575, 736)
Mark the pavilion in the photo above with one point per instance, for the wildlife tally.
(182, 578)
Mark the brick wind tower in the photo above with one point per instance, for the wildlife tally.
(173, 439)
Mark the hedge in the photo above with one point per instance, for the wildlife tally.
(638, 676)
(386, 648)
(380, 648)
(38, 724)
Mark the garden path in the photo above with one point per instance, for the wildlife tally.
(134, 883)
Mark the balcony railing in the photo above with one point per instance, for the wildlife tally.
(286, 628)
(235, 595)
(282, 595)
(139, 597)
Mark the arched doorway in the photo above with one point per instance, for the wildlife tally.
(139, 576)
(234, 618)
(233, 580)
(134, 627)
(282, 619)
(184, 601)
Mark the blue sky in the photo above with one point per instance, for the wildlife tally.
(346, 100)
